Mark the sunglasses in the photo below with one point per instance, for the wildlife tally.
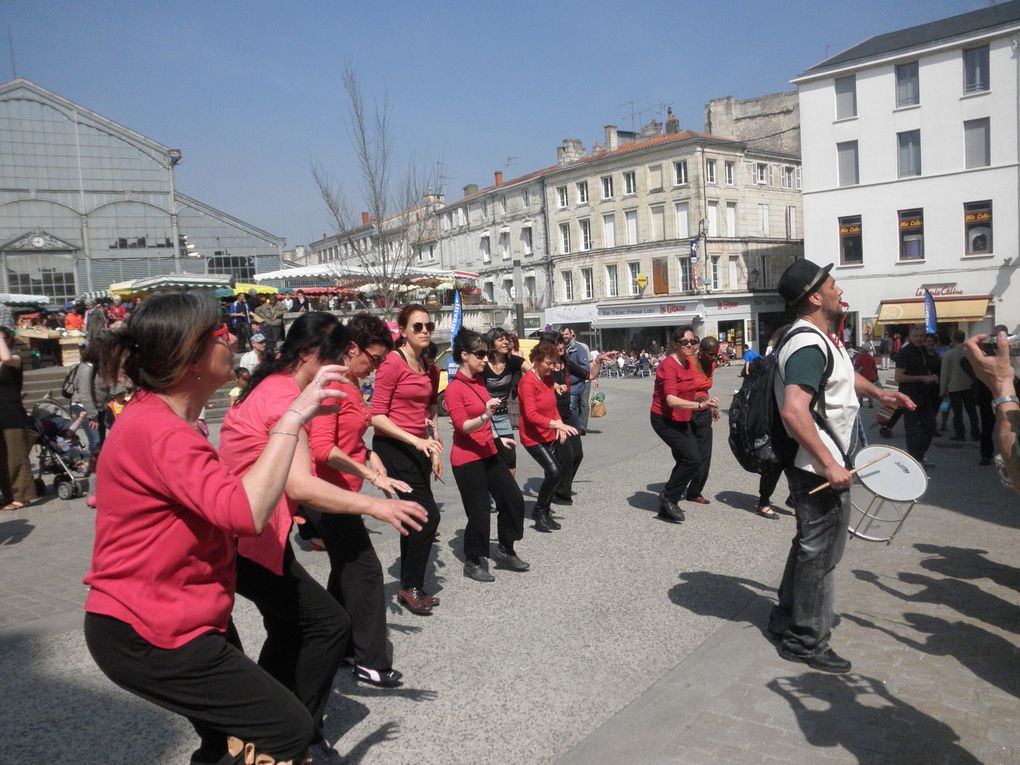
(688, 341)
(374, 359)
(429, 326)
(480, 354)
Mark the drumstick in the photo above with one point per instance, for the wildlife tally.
(827, 484)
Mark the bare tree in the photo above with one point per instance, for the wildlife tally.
(399, 205)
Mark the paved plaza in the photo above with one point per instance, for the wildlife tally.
(631, 640)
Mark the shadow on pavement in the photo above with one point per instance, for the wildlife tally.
(14, 530)
(968, 563)
(990, 657)
(647, 499)
(722, 596)
(860, 715)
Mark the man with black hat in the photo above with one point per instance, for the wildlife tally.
(820, 414)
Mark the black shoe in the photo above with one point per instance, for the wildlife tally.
(382, 678)
(551, 522)
(827, 661)
(886, 433)
(558, 500)
(509, 560)
(541, 521)
(670, 509)
(321, 753)
(478, 571)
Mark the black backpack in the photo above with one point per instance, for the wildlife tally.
(67, 387)
(757, 437)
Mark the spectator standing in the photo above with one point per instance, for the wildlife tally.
(270, 313)
(703, 367)
(885, 350)
(16, 481)
(577, 352)
(915, 379)
(955, 383)
(240, 321)
(117, 310)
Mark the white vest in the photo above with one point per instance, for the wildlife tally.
(841, 403)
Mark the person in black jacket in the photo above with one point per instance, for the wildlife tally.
(917, 373)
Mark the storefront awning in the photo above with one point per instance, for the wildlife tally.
(645, 320)
(961, 308)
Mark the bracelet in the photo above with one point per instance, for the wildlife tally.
(297, 412)
(282, 433)
(997, 402)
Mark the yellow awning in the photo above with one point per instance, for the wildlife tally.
(261, 289)
(954, 309)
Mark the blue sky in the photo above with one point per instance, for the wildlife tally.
(251, 91)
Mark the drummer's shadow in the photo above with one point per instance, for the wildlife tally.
(732, 598)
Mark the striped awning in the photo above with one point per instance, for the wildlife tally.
(13, 298)
(94, 295)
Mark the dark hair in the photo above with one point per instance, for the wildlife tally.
(313, 332)
(162, 337)
(709, 344)
(466, 341)
(407, 310)
(959, 337)
(238, 371)
(551, 337)
(364, 330)
(431, 351)
(492, 336)
(544, 350)
(679, 333)
(8, 335)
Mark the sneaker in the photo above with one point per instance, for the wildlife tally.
(381, 678)
(509, 560)
(826, 661)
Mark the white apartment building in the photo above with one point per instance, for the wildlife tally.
(911, 173)
(671, 228)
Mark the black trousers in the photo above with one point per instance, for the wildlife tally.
(546, 455)
(477, 481)
(356, 582)
(680, 438)
(211, 682)
(407, 464)
(306, 629)
(987, 414)
(961, 401)
(701, 426)
(507, 453)
(569, 454)
(767, 485)
(919, 427)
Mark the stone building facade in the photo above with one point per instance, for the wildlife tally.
(768, 123)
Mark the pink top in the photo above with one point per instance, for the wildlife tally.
(538, 408)
(402, 395)
(673, 379)
(345, 430)
(243, 436)
(465, 400)
(168, 512)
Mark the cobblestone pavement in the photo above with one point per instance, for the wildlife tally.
(630, 640)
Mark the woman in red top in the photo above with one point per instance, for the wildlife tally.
(403, 415)
(477, 467)
(674, 400)
(541, 428)
(307, 631)
(162, 576)
(703, 367)
(339, 456)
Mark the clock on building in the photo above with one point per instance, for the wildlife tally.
(38, 241)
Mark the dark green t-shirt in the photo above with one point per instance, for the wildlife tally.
(805, 367)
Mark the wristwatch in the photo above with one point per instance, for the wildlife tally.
(997, 402)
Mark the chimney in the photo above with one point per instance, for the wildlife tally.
(672, 123)
(569, 151)
(499, 177)
(470, 189)
(364, 218)
(612, 142)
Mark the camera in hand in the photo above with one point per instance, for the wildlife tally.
(991, 345)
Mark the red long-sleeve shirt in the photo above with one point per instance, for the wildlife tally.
(345, 430)
(673, 379)
(538, 408)
(465, 400)
(403, 395)
(168, 511)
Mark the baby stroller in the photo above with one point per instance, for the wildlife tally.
(63, 450)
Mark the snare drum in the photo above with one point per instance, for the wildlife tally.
(885, 492)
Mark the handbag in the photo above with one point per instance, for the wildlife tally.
(598, 405)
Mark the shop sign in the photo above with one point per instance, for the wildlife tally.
(643, 310)
(724, 305)
(672, 308)
(938, 290)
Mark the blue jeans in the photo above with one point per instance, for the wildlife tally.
(803, 616)
(92, 434)
(575, 409)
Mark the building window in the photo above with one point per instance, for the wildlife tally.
(633, 269)
(977, 142)
(730, 174)
(483, 248)
(975, 70)
(846, 97)
(526, 246)
(655, 178)
(680, 173)
(712, 219)
(765, 264)
(908, 153)
(525, 198)
(585, 224)
(763, 220)
(588, 280)
(504, 244)
(489, 290)
(761, 173)
(508, 290)
(607, 187)
(632, 231)
(658, 223)
(502, 204)
(684, 281)
(609, 230)
(485, 210)
(789, 177)
(462, 216)
(977, 227)
(731, 219)
(630, 182)
(709, 171)
(846, 154)
(561, 196)
(582, 192)
(565, 238)
(683, 220)
(714, 276)
(911, 235)
(733, 278)
(791, 222)
(851, 249)
(568, 286)
(612, 283)
(908, 90)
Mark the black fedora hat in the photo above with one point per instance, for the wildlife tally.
(800, 279)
